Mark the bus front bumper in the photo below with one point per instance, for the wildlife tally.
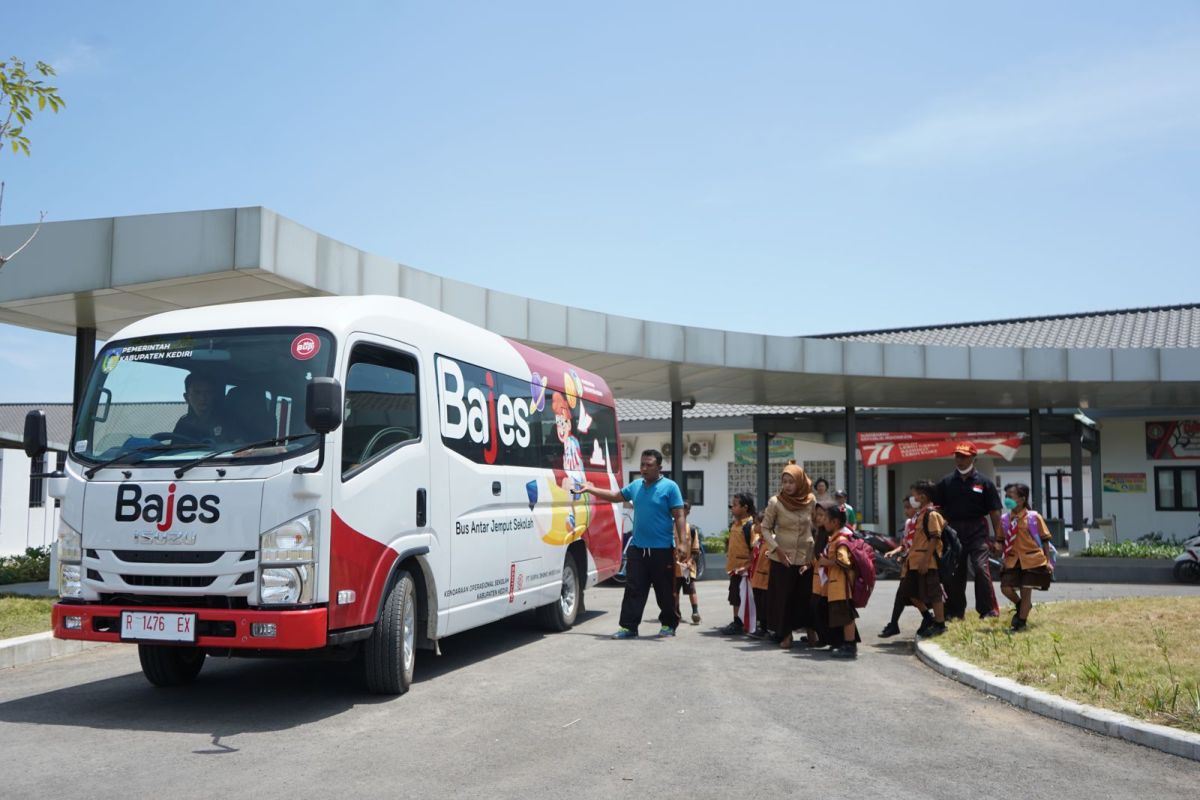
(248, 629)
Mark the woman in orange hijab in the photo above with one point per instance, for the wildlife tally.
(788, 536)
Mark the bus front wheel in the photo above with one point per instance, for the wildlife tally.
(390, 654)
(165, 665)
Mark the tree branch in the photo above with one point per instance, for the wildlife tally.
(4, 259)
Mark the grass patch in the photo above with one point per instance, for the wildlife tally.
(1139, 656)
(1133, 550)
(21, 616)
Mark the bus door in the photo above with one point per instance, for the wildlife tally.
(382, 493)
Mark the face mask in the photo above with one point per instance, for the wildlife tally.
(913, 501)
(1010, 504)
(966, 471)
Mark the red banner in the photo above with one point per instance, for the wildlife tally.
(881, 449)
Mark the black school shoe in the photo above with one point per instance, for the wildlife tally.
(732, 629)
(845, 651)
(1018, 624)
(891, 629)
(936, 629)
(759, 633)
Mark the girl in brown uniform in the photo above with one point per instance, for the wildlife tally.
(787, 533)
(738, 560)
(1027, 563)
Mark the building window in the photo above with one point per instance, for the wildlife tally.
(37, 486)
(1176, 488)
(693, 486)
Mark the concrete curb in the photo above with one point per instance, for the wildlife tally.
(37, 647)
(1097, 720)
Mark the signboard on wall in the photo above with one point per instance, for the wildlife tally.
(1125, 482)
(745, 448)
(1173, 439)
(881, 449)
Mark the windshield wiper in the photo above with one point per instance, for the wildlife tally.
(149, 450)
(179, 473)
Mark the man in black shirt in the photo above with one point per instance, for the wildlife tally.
(967, 500)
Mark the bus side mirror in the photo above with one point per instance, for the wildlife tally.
(36, 443)
(322, 405)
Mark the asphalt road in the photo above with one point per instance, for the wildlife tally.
(507, 711)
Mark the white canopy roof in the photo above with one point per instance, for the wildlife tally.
(106, 273)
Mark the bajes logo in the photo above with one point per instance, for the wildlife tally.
(487, 419)
(135, 506)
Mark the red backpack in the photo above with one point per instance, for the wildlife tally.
(863, 556)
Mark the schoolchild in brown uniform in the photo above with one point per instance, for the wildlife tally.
(822, 637)
(836, 571)
(685, 571)
(738, 560)
(760, 580)
(1027, 564)
(901, 552)
(919, 573)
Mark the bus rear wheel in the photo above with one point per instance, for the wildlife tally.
(164, 665)
(561, 614)
(390, 654)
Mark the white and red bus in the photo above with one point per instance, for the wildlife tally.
(352, 474)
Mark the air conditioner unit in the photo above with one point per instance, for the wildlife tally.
(666, 449)
(628, 445)
(701, 448)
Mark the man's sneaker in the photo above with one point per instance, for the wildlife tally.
(891, 629)
(666, 630)
(624, 633)
(695, 617)
(732, 629)
(844, 651)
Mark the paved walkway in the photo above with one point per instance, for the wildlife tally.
(510, 712)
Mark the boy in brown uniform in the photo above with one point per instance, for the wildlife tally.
(738, 560)
(685, 571)
(920, 578)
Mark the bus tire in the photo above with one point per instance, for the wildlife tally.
(561, 614)
(164, 665)
(390, 654)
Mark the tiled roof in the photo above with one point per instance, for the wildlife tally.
(1166, 326)
(635, 410)
(58, 422)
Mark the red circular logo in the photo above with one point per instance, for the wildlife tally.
(305, 346)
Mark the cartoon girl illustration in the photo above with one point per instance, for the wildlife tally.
(572, 463)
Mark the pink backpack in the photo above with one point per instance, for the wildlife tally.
(863, 556)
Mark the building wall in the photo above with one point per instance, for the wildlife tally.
(713, 516)
(1123, 446)
(20, 525)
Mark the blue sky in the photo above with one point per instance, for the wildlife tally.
(783, 168)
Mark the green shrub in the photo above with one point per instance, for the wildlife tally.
(716, 544)
(1133, 550)
(34, 565)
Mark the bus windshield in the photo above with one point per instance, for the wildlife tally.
(179, 397)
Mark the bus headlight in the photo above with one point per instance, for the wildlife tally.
(70, 544)
(69, 583)
(70, 554)
(285, 585)
(291, 543)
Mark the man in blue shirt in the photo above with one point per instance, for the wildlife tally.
(659, 538)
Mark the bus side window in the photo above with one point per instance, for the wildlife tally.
(382, 405)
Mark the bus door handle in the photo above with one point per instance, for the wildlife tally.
(496, 488)
(421, 504)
